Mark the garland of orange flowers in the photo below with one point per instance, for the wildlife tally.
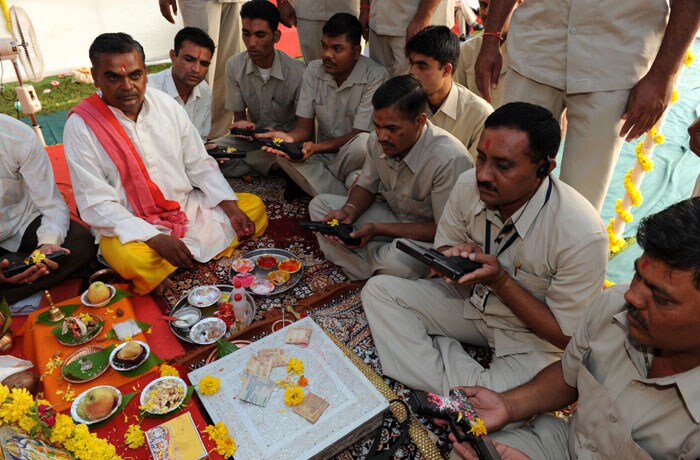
(617, 242)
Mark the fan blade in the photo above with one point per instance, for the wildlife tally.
(27, 44)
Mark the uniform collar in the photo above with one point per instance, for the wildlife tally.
(171, 89)
(275, 70)
(450, 104)
(686, 382)
(358, 76)
(415, 157)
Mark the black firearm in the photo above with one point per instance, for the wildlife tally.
(221, 152)
(19, 263)
(248, 132)
(292, 149)
(453, 267)
(457, 411)
(342, 231)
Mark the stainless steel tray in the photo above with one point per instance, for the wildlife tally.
(261, 273)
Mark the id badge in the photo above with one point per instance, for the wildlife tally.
(480, 295)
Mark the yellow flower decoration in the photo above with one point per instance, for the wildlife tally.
(231, 150)
(16, 405)
(209, 385)
(689, 58)
(166, 370)
(62, 429)
(675, 95)
(51, 365)
(333, 222)
(295, 366)
(616, 242)
(477, 427)
(134, 437)
(37, 256)
(659, 139)
(85, 318)
(624, 215)
(645, 162)
(652, 131)
(225, 445)
(293, 395)
(607, 284)
(277, 141)
(5, 13)
(4, 393)
(632, 189)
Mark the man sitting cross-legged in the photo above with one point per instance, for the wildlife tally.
(262, 88)
(633, 364)
(544, 251)
(411, 167)
(433, 54)
(154, 199)
(337, 91)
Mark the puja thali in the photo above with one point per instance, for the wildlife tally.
(183, 333)
(268, 271)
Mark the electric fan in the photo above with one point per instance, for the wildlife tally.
(23, 44)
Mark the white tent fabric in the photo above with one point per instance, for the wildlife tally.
(66, 28)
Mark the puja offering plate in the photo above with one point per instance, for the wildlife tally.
(208, 331)
(124, 366)
(86, 365)
(263, 266)
(204, 296)
(183, 308)
(91, 332)
(96, 401)
(163, 395)
(84, 298)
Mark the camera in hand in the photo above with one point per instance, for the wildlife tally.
(342, 231)
(453, 267)
(21, 262)
(292, 149)
(458, 411)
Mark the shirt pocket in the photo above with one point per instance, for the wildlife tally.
(408, 209)
(282, 112)
(536, 285)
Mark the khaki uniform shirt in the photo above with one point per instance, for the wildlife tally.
(340, 109)
(622, 414)
(416, 187)
(391, 17)
(559, 256)
(462, 114)
(465, 74)
(269, 103)
(322, 10)
(586, 46)
(198, 105)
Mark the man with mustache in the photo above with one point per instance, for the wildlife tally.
(544, 252)
(184, 81)
(632, 365)
(336, 94)
(411, 166)
(262, 87)
(142, 180)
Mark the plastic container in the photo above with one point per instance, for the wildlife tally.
(240, 307)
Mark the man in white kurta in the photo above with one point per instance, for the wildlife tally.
(176, 162)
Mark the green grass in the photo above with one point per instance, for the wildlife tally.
(61, 98)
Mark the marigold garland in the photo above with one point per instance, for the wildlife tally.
(616, 242)
(632, 190)
(6, 13)
(624, 215)
(225, 444)
(295, 366)
(209, 385)
(689, 58)
(20, 409)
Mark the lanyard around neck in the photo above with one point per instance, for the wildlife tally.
(511, 240)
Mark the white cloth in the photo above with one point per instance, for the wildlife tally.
(176, 161)
(198, 105)
(27, 188)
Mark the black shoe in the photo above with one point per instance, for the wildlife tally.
(293, 191)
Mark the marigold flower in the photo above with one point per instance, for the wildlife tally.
(134, 437)
(295, 366)
(209, 385)
(225, 445)
(293, 395)
(166, 370)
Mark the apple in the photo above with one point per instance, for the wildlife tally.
(98, 292)
(97, 404)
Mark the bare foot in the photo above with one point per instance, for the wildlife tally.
(166, 284)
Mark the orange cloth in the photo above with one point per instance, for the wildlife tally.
(40, 345)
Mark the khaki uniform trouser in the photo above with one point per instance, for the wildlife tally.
(222, 22)
(256, 161)
(418, 328)
(696, 191)
(327, 173)
(592, 143)
(379, 256)
(389, 51)
(544, 438)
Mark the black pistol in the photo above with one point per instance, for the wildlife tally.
(457, 411)
(293, 150)
(453, 267)
(342, 231)
(19, 264)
